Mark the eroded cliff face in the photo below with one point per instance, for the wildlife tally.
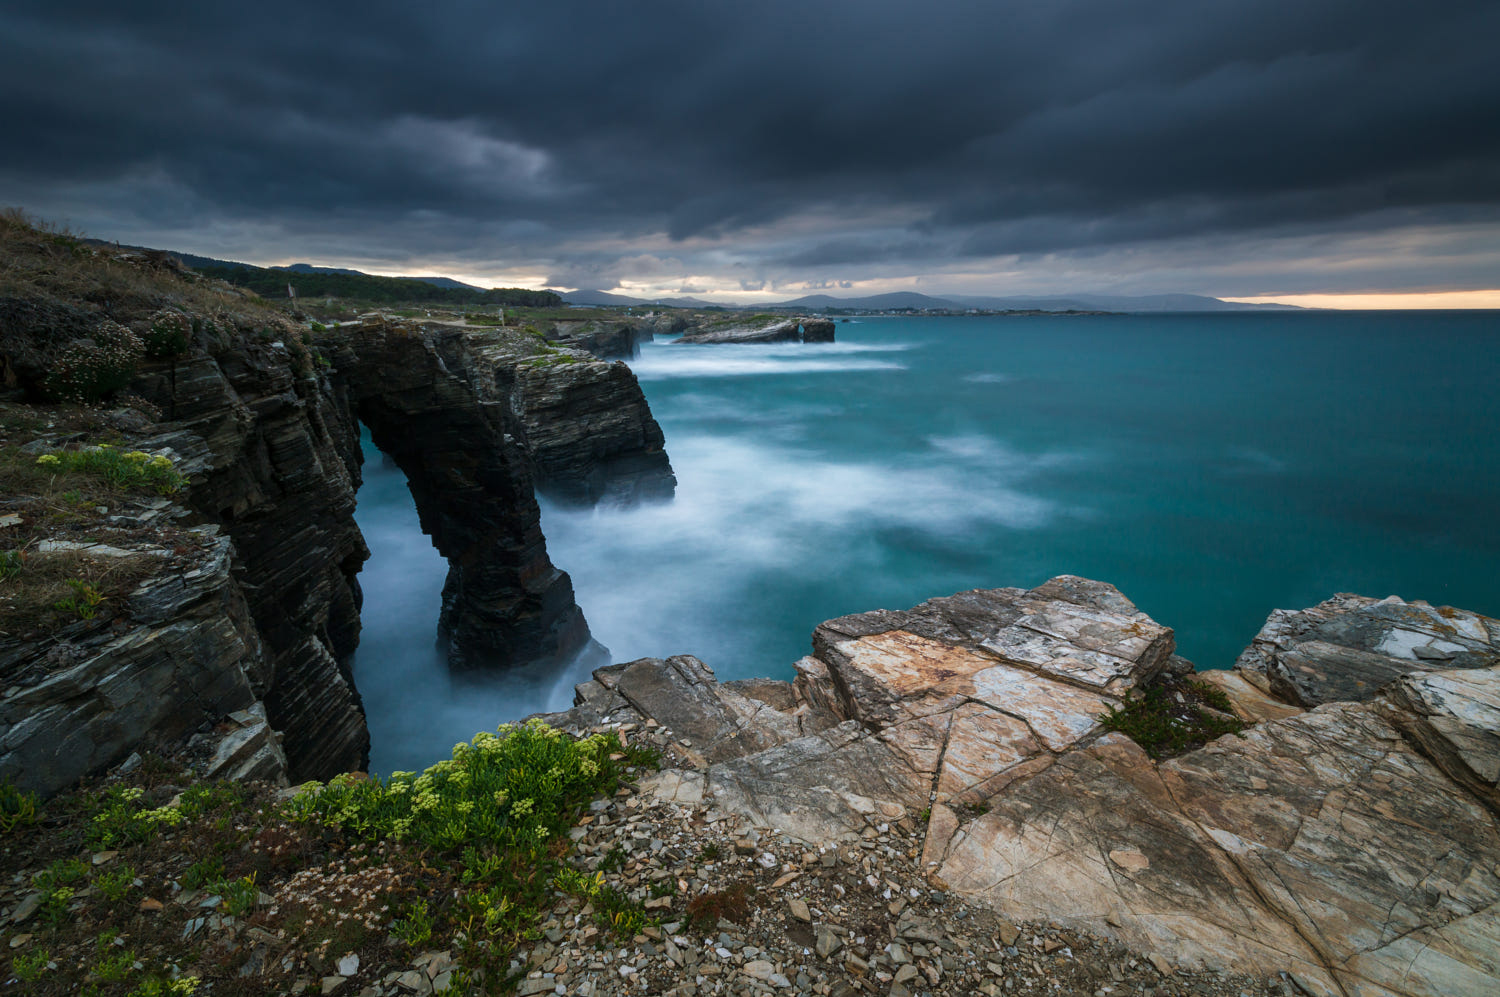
(186, 655)
(765, 330)
(232, 630)
(274, 460)
(589, 433)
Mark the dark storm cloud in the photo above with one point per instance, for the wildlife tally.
(921, 133)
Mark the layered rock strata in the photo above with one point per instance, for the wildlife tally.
(273, 457)
(1348, 647)
(589, 434)
(1354, 844)
(271, 450)
(188, 656)
(790, 330)
(616, 340)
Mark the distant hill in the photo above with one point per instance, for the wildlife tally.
(312, 281)
(898, 300)
(874, 302)
(606, 298)
(448, 282)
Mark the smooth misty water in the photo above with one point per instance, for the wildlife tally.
(1212, 467)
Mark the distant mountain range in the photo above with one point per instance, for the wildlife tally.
(961, 302)
(606, 298)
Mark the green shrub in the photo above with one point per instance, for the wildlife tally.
(203, 872)
(29, 968)
(17, 807)
(91, 369)
(415, 929)
(516, 790)
(11, 563)
(60, 873)
(115, 884)
(170, 335)
(1167, 723)
(125, 470)
(120, 819)
(83, 603)
(158, 987)
(54, 883)
(239, 895)
(115, 967)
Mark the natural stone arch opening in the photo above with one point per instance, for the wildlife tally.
(504, 602)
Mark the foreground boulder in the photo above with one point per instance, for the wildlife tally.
(1353, 845)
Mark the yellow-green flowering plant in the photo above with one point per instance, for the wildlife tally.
(516, 788)
(129, 471)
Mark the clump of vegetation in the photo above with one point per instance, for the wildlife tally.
(123, 470)
(11, 563)
(59, 588)
(501, 806)
(613, 910)
(170, 334)
(731, 904)
(83, 602)
(468, 856)
(1171, 718)
(516, 789)
(89, 370)
(18, 808)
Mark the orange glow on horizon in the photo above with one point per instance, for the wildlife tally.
(1380, 301)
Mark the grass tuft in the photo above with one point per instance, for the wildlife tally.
(1170, 719)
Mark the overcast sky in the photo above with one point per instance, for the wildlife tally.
(761, 148)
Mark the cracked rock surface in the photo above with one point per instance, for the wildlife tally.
(1351, 846)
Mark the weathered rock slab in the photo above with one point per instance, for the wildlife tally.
(1454, 717)
(1349, 647)
(1354, 845)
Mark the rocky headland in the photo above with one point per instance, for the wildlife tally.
(759, 329)
(258, 416)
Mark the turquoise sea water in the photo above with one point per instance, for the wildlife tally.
(1213, 467)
